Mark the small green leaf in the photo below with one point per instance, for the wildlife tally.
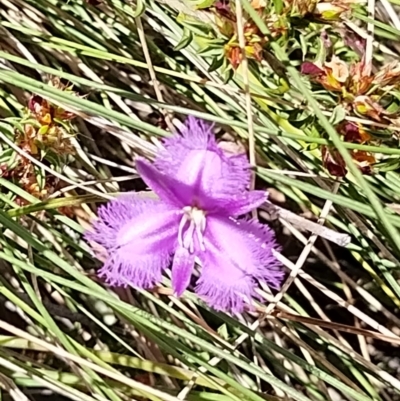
(185, 41)
(389, 264)
(210, 51)
(196, 27)
(204, 4)
(321, 52)
(277, 66)
(40, 177)
(278, 5)
(8, 130)
(227, 75)
(382, 134)
(5, 155)
(223, 332)
(53, 159)
(43, 130)
(338, 115)
(393, 107)
(216, 63)
(140, 8)
(13, 161)
(390, 164)
(303, 43)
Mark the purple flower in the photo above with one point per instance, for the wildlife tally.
(202, 192)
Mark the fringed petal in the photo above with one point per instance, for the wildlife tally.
(123, 269)
(182, 267)
(169, 188)
(195, 158)
(242, 204)
(139, 236)
(237, 254)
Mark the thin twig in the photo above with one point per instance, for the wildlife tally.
(335, 267)
(332, 295)
(147, 57)
(303, 256)
(245, 70)
(338, 326)
(305, 224)
(323, 361)
(369, 47)
(392, 13)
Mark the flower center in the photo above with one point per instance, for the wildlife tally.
(193, 223)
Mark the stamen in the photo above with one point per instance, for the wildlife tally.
(200, 238)
(197, 225)
(182, 224)
(188, 240)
